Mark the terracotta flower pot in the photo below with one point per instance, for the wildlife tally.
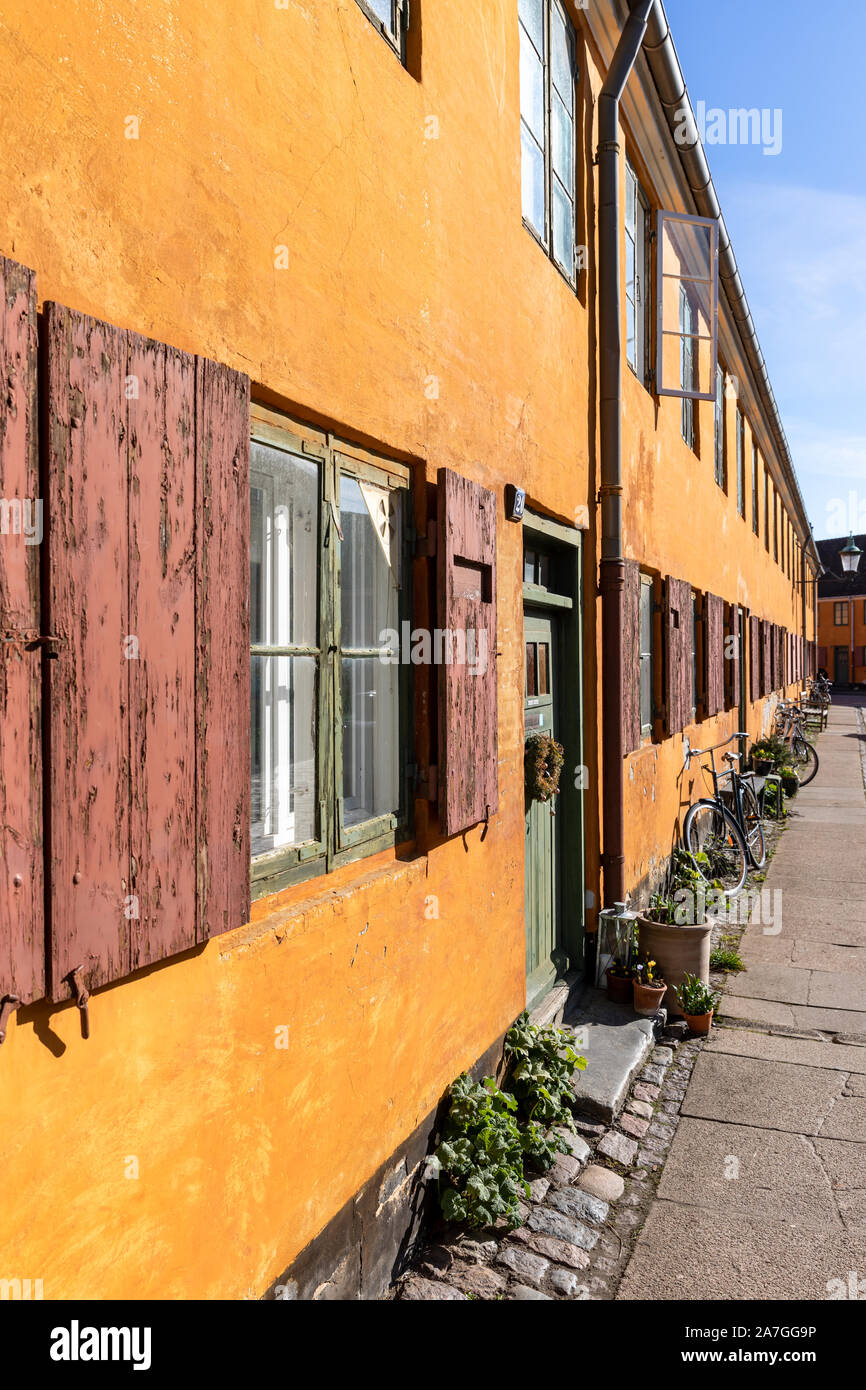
(700, 1023)
(648, 998)
(679, 951)
(618, 988)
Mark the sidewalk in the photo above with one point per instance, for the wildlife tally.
(763, 1194)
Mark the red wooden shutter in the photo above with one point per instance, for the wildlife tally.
(755, 648)
(22, 925)
(714, 654)
(732, 663)
(821, 658)
(222, 717)
(631, 657)
(148, 495)
(766, 650)
(860, 656)
(678, 640)
(468, 728)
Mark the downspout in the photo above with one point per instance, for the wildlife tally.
(612, 565)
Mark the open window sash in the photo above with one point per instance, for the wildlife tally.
(687, 306)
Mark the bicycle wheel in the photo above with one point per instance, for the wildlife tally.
(807, 760)
(711, 831)
(754, 827)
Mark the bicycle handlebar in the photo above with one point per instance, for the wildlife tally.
(700, 752)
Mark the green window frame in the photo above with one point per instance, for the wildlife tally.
(391, 18)
(347, 751)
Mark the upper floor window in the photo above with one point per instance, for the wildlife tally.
(719, 410)
(547, 129)
(637, 262)
(391, 18)
(326, 588)
(766, 509)
(775, 526)
(840, 614)
(741, 464)
(688, 364)
(756, 520)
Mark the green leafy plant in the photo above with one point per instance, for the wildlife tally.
(480, 1158)
(695, 997)
(725, 956)
(645, 973)
(772, 749)
(540, 1063)
(684, 888)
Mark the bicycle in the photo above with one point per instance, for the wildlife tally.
(725, 832)
(790, 725)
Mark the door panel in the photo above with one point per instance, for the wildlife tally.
(544, 955)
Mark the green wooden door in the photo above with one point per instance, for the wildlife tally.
(545, 958)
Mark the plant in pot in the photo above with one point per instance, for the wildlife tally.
(618, 975)
(790, 780)
(648, 987)
(698, 1003)
(769, 755)
(676, 929)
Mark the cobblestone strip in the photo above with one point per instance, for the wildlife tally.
(583, 1215)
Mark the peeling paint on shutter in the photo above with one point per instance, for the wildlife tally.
(678, 610)
(733, 664)
(148, 489)
(468, 729)
(631, 657)
(22, 923)
(714, 654)
(755, 658)
(222, 717)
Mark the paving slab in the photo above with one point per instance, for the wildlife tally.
(847, 1120)
(749, 1172)
(808, 913)
(774, 1095)
(766, 980)
(757, 1011)
(830, 1020)
(687, 1252)
(836, 990)
(615, 1044)
(775, 1047)
(828, 955)
(844, 1162)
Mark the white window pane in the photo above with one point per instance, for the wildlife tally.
(383, 9)
(563, 229)
(630, 267)
(531, 15)
(562, 143)
(284, 547)
(560, 58)
(630, 332)
(531, 88)
(283, 751)
(369, 690)
(630, 201)
(369, 577)
(532, 181)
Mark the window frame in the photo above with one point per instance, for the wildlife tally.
(545, 241)
(643, 320)
(766, 508)
(741, 462)
(840, 606)
(756, 516)
(394, 38)
(687, 424)
(335, 844)
(646, 659)
(720, 433)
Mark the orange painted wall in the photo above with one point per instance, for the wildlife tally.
(418, 315)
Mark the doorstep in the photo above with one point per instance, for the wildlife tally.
(615, 1042)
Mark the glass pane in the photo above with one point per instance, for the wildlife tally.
(630, 341)
(543, 668)
(544, 571)
(562, 143)
(283, 751)
(560, 58)
(531, 88)
(646, 707)
(369, 555)
(529, 567)
(532, 181)
(629, 267)
(687, 249)
(371, 754)
(531, 675)
(383, 9)
(630, 201)
(531, 15)
(563, 229)
(284, 547)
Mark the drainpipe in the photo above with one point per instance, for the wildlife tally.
(612, 566)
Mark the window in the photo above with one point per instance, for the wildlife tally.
(775, 526)
(326, 595)
(719, 410)
(756, 520)
(391, 18)
(646, 655)
(548, 150)
(741, 476)
(687, 269)
(840, 614)
(766, 509)
(696, 614)
(637, 225)
(687, 365)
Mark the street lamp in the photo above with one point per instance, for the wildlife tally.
(850, 556)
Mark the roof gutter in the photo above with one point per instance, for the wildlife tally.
(612, 566)
(664, 66)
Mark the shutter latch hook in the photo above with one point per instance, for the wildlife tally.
(82, 997)
(8, 1006)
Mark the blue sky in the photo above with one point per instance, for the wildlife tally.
(797, 219)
